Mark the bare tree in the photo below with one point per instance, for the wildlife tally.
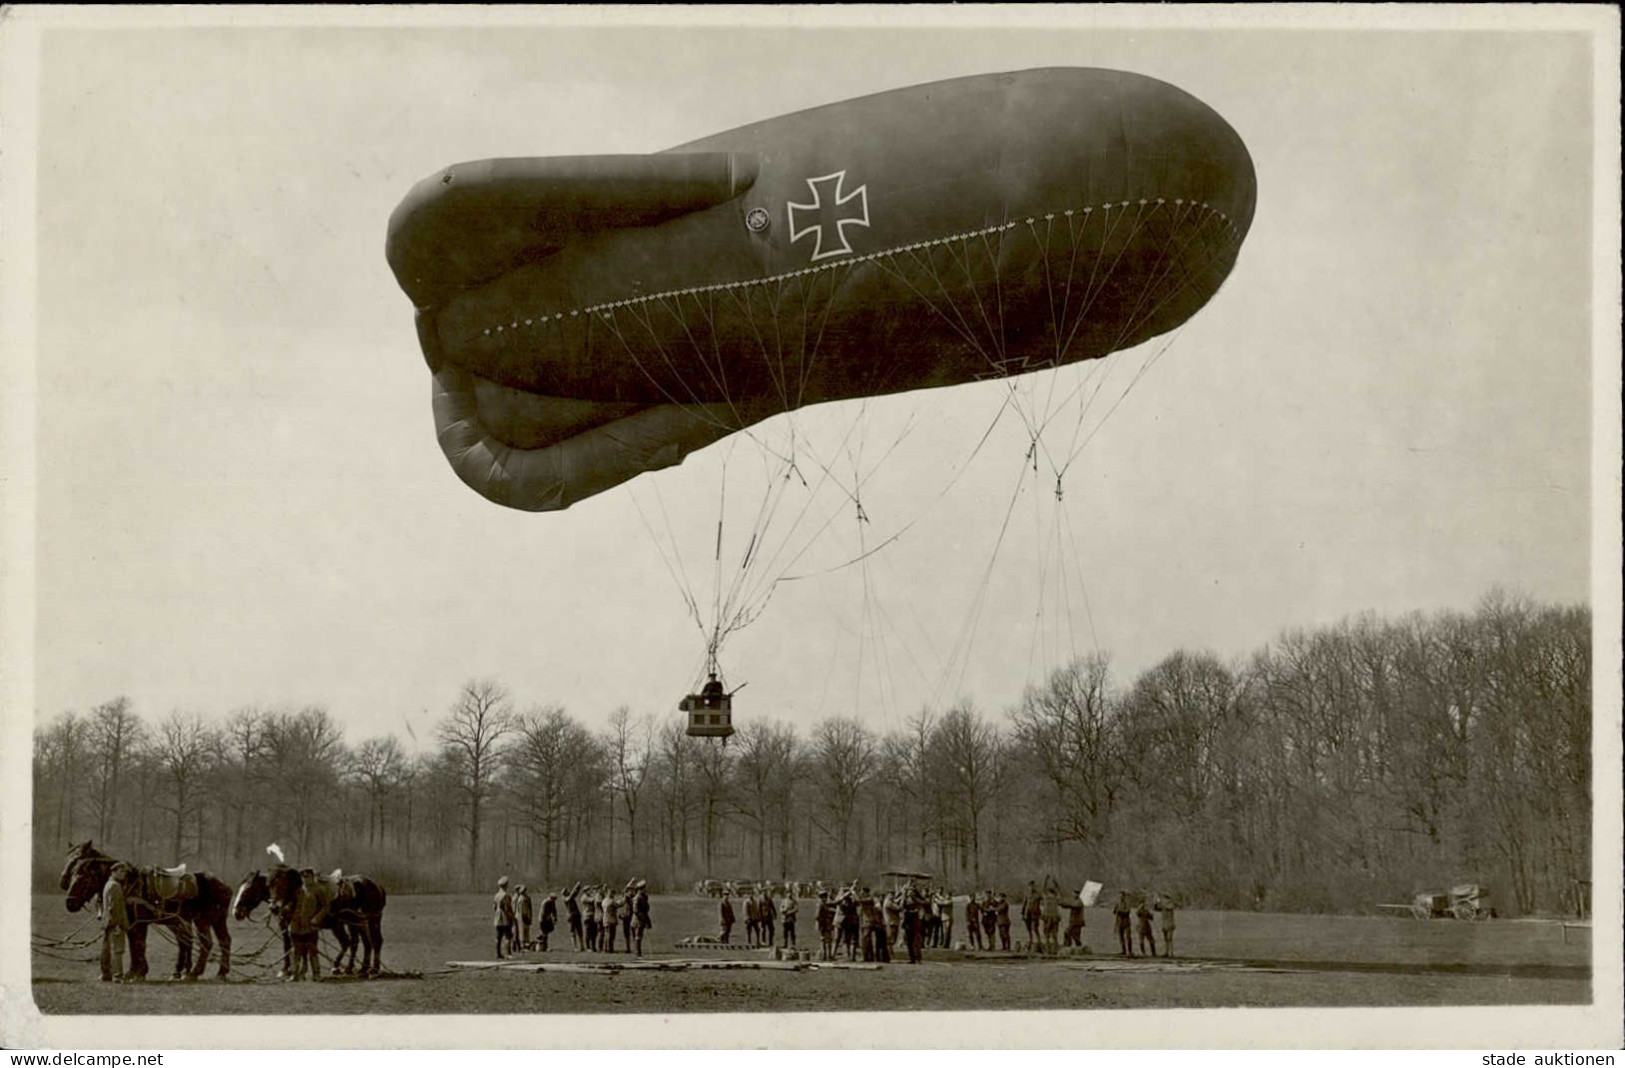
(472, 735)
(116, 734)
(181, 750)
(969, 757)
(377, 765)
(630, 744)
(845, 757)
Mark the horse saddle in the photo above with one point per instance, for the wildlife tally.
(174, 884)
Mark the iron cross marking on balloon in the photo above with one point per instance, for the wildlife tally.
(829, 214)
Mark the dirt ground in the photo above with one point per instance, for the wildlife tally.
(1224, 959)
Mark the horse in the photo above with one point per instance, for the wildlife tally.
(355, 916)
(184, 903)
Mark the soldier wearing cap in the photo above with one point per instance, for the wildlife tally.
(502, 916)
(115, 923)
(526, 914)
(1002, 912)
(787, 912)
(727, 916)
(826, 925)
(641, 920)
(550, 918)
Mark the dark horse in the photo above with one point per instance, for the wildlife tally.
(197, 902)
(355, 916)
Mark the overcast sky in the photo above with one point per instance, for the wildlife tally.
(241, 500)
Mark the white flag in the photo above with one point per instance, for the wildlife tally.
(1090, 893)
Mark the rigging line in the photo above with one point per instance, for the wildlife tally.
(852, 496)
(909, 525)
(719, 375)
(764, 575)
(1164, 264)
(957, 327)
(837, 279)
(928, 266)
(914, 609)
(772, 498)
(642, 314)
(1083, 584)
(688, 599)
(962, 260)
(1126, 390)
(1049, 283)
(744, 301)
(968, 630)
(1093, 291)
(828, 475)
(688, 586)
(614, 328)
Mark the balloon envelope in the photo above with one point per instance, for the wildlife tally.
(587, 319)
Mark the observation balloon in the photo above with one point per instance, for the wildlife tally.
(590, 318)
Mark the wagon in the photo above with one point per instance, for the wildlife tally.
(1465, 902)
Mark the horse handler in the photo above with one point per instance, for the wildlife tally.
(115, 924)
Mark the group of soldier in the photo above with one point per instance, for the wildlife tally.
(1140, 908)
(868, 926)
(593, 915)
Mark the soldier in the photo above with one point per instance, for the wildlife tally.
(766, 914)
(526, 914)
(788, 912)
(628, 908)
(502, 915)
(1050, 918)
(727, 916)
(590, 919)
(640, 912)
(893, 909)
(849, 925)
(572, 911)
(990, 918)
(973, 921)
(115, 923)
(1146, 934)
(1166, 906)
(550, 918)
(913, 928)
(1003, 910)
(1030, 909)
(1122, 910)
(305, 926)
(612, 921)
(753, 917)
(826, 926)
(945, 906)
(1074, 921)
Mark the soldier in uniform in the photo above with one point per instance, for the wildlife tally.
(305, 926)
(973, 921)
(826, 926)
(753, 916)
(612, 921)
(572, 912)
(849, 924)
(640, 912)
(1166, 906)
(990, 919)
(502, 916)
(945, 906)
(526, 914)
(893, 910)
(913, 927)
(550, 918)
(629, 902)
(788, 912)
(1030, 909)
(727, 917)
(1050, 918)
(115, 923)
(1121, 911)
(1074, 921)
(766, 914)
(1147, 937)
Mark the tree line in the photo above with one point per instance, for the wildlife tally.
(1334, 768)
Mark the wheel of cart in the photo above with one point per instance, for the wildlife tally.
(1464, 910)
(1421, 910)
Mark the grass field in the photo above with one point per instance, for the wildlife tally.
(1224, 959)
